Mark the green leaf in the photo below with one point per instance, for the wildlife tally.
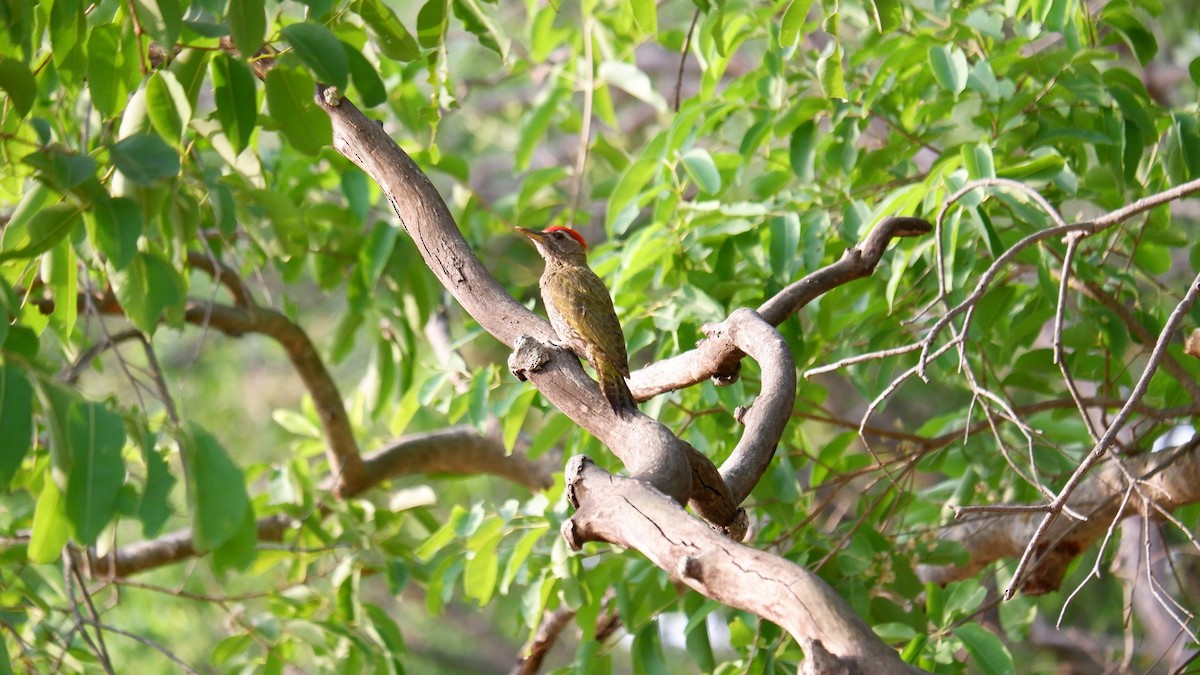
(371, 91)
(533, 129)
(155, 507)
(147, 289)
(95, 437)
(987, 651)
(950, 69)
(237, 102)
(793, 21)
(802, 150)
(978, 160)
(631, 185)
(482, 571)
(167, 105)
(42, 232)
(645, 14)
(60, 271)
(431, 23)
(290, 98)
(239, 550)
(888, 14)
(699, 166)
(321, 51)
(390, 35)
(247, 24)
(18, 82)
(51, 529)
(520, 554)
(105, 69)
(144, 158)
(478, 23)
(189, 70)
(118, 224)
(68, 37)
(162, 19)
(647, 651)
(963, 598)
(16, 419)
(216, 490)
(829, 70)
(514, 419)
(389, 633)
(785, 246)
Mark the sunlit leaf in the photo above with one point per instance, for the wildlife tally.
(390, 35)
(145, 159)
(237, 102)
(290, 98)
(247, 24)
(320, 50)
(95, 437)
(949, 66)
(216, 490)
(16, 418)
(18, 84)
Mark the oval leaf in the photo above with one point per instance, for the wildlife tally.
(216, 490)
(949, 67)
(95, 437)
(699, 166)
(247, 24)
(18, 82)
(16, 419)
(237, 104)
(320, 51)
(290, 98)
(144, 158)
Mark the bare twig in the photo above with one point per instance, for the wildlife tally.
(1110, 434)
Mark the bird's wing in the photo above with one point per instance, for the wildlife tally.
(598, 326)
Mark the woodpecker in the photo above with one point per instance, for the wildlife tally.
(581, 311)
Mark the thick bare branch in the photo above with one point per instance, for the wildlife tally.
(771, 411)
(457, 450)
(629, 513)
(553, 623)
(167, 549)
(1171, 482)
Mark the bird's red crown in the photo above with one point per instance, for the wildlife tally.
(578, 237)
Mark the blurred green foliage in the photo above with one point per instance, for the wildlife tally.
(714, 152)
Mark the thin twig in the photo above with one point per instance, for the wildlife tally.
(1139, 390)
(687, 44)
(149, 643)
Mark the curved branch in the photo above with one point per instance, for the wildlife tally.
(460, 451)
(770, 413)
(721, 361)
(340, 445)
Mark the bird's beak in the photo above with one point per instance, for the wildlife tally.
(535, 235)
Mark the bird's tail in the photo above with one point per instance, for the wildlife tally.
(616, 391)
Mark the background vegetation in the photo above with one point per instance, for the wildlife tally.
(183, 255)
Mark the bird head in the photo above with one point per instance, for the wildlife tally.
(558, 244)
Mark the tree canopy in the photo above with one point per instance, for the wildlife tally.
(908, 288)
